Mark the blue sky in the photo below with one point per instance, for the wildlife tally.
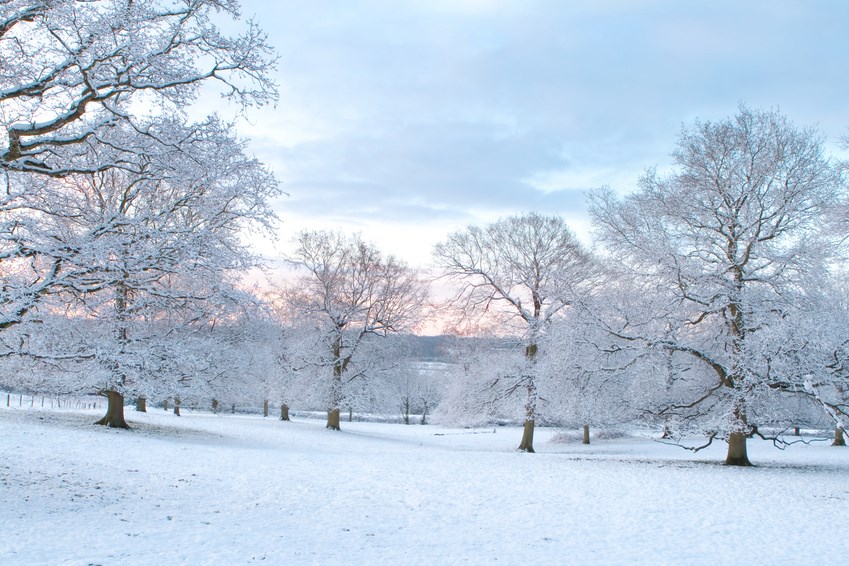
(405, 120)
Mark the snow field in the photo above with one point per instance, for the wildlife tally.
(207, 489)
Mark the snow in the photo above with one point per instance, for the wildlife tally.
(236, 489)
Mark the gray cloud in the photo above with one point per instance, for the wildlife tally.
(443, 111)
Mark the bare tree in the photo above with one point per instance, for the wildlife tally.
(352, 291)
(527, 269)
(725, 243)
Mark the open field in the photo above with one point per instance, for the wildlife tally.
(207, 489)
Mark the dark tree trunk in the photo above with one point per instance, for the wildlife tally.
(424, 413)
(114, 411)
(214, 406)
(839, 439)
(527, 444)
(333, 419)
(141, 405)
(177, 406)
(339, 365)
(737, 455)
(265, 408)
(284, 412)
(405, 410)
(586, 434)
(165, 404)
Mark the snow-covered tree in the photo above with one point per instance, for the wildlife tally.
(480, 383)
(351, 293)
(73, 70)
(724, 247)
(155, 256)
(590, 372)
(525, 269)
(88, 86)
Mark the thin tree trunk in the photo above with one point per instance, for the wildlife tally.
(141, 405)
(177, 406)
(350, 414)
(284, 412)
(737, 455)
(335, 389)
(165, 404)
(405, 410)
(114, 411)
(265, 408)
(586, 434)
(839, 439)
(215, 406)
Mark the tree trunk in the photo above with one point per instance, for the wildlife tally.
(839, 440)
(527, 444)
(336, 385)
(114, 411)
(737, 455)
(214, 406)
(586, 434)
(141, 405)
(284, 412)
(265, 408)
(177, 406)
(424, 413)
(405, 410)
(333, 419)
(165, 404)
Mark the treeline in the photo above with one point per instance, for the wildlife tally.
(712, 302)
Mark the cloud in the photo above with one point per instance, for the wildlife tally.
(440, 113)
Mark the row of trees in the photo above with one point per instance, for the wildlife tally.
(716, 291)
(714, 304)
(715, 298)
(714, 295)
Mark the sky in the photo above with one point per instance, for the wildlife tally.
(407, 120)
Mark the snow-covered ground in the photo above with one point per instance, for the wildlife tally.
(225, 489)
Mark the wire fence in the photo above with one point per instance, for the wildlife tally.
(12, 399)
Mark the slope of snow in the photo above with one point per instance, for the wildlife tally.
(207, 489)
